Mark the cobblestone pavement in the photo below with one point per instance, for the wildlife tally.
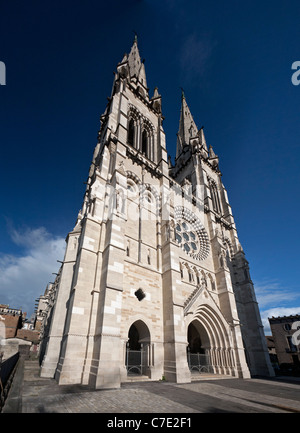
(209, 395)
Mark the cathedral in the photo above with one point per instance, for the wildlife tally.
(154, 283)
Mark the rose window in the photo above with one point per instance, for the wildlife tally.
(187, 238)
(190, 234)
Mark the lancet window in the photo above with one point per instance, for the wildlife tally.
(131, 132)
(140, 133)
(214, 196)
(144, 142)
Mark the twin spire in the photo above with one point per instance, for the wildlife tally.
(133, 66)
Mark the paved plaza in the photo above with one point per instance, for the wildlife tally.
(211, 394)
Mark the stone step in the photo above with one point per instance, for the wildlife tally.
(210, 376)
(137, 379)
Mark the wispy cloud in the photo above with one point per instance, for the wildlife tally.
(271, 293)
(24, 276)
(194, 54)
(274, 299)
(276, 312)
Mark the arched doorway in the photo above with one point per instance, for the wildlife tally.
(137, 349)
(210, 343)
(198, 349)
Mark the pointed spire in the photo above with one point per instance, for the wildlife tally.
(136, 66)
(187, 126)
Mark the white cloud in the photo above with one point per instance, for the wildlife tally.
(276, 300)
(272, 294)
(24, 276)
(276, 312)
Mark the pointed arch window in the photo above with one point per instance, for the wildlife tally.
(140, 133)
(145, 142)
(215, 197)
(131, 133)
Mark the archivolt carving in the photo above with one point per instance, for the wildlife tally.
(133, 176)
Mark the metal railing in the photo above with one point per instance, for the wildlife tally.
(134, 362)
(199, 363)
(137, 361)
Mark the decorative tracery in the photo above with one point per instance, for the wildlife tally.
(214, 196)
(191, 234)
(140, 132)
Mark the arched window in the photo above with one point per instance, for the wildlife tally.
(211, 283)
(215, 197)
(145, 143)
(131, 133)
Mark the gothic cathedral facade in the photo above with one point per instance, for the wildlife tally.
(154, 281)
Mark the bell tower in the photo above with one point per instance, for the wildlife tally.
(118, 243)
(198, 165)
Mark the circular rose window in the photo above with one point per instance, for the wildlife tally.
(191, 234)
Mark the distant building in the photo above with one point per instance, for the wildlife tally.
(283, 328)
(272, 350)
(12, 319)
(17, 333)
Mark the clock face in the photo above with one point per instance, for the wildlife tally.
(190, 234)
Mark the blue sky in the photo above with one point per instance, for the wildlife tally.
(233, 60)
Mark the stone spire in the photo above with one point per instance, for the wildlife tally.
(187, 126)
(136, 66)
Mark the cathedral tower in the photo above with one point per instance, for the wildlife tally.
(154, 281)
